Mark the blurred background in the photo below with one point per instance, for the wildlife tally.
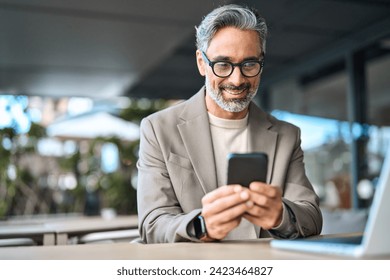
(76, 78)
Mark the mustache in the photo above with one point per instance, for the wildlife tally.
(238, 88)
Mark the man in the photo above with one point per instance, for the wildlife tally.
(182, 194)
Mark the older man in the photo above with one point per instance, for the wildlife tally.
(182, 191)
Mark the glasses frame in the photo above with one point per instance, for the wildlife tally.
(212, 63)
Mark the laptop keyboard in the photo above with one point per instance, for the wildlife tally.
(353, 240)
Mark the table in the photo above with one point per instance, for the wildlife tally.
(66, 229)
(40, 233)
(58, 231)
(229, 250)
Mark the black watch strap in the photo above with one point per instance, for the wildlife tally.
(200, 227)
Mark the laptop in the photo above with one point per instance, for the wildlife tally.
(374, 241)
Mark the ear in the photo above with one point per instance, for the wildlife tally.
(200, 62)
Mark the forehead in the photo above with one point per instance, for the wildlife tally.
(235, 43)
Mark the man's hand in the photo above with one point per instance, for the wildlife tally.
(223, 209)
(268, 207)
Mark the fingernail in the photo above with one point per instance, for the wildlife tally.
(249, 204)
(237, 189)
(244, 195)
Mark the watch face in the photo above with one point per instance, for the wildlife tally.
(200, 227)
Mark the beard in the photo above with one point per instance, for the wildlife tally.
(233, 105)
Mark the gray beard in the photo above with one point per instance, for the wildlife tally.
(233, 105)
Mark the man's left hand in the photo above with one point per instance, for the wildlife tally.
(268, 207)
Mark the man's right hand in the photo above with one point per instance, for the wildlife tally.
(223, 208)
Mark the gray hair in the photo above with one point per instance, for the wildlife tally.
(230, 15)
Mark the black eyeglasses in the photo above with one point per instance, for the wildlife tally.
(223, 69)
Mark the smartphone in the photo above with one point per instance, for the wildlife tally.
(244, 169)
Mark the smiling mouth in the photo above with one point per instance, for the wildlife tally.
(234, 92)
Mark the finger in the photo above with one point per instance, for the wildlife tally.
(229, 214)
(221, 192)
(219, 231)
(257, 211)
(250, 218)
(269, 204)
(221, 224)
(265, 223)
(226, 203)
(261, 200)
(265, 189)
(266, 218)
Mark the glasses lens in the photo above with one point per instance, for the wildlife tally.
(223, 69)
(250, 68)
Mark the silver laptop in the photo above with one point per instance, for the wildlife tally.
(375, 239)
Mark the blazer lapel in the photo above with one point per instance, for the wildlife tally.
(261, 138)
(196, 135)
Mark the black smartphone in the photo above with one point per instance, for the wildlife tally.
(244, 169)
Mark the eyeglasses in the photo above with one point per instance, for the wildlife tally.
(223, 69)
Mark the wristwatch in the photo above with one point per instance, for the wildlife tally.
(200, 227)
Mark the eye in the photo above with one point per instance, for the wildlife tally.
(223, 65)
(250, 64)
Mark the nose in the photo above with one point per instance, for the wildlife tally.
(236, 78)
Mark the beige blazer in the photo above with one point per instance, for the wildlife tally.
(176, 169)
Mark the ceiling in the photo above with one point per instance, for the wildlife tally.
(102, 49)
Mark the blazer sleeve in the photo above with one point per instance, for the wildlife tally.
(302, 216)
(161, 219)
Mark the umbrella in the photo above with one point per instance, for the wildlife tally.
(93, 125)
